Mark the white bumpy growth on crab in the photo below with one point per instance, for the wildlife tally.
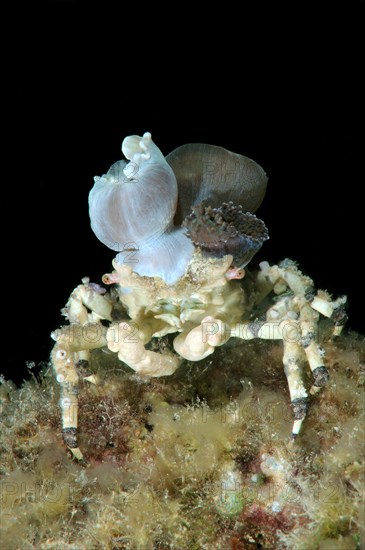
(184, 230)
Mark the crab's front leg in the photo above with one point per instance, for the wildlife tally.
(293, 368)
(73, 345)
(85, 308)
(66, 375)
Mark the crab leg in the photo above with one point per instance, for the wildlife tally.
(73, 343)
(292, 360)
(72, 348)
(289, 331)
(333, 309)
(314, 353)
(66, 375)
(281, 277)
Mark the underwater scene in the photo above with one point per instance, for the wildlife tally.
(191, 401)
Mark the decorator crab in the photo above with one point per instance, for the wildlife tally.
(184, 231)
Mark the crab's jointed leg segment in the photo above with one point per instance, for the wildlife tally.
(292, 360)
(85, 308)
(66, 375)
(287, 330)
(333, 309)
(314, 353)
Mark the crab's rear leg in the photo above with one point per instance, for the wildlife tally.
(332, 309)
(313, 351)
(287, 330)
(293, 361)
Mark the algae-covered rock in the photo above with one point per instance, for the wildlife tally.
(199, 459)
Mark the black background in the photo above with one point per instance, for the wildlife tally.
(278, 84)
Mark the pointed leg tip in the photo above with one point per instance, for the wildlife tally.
(76, 453)
(92, 379)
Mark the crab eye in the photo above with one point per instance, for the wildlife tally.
(107, 280)
(61, 354)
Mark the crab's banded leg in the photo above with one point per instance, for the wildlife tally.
(333, 309)
(314, 352)
(84, 309)
(72, 347)
(66, 375)
(287, 276)
(281, 277)
(292, 360)
(266, 330)
(289, 331)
